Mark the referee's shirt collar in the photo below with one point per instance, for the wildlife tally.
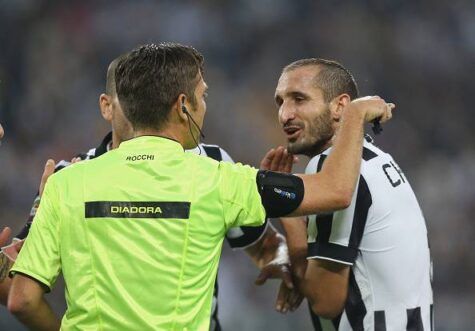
(143, 141)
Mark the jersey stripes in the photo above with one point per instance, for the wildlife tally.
(382, 237)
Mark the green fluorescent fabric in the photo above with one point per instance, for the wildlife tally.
(137, 234)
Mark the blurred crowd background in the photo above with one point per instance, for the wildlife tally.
(418, 54)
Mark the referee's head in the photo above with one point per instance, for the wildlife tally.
(160, 87)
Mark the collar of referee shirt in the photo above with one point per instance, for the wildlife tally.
(144, 140)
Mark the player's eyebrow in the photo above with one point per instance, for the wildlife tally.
(295, 94)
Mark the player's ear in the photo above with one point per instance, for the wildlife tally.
(338, 104)
(105, 104)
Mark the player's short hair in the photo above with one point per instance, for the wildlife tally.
(110, 78)
(150, 78)
(332, 78)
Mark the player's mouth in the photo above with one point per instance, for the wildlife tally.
(292, 132)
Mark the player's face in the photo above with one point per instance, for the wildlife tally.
(303, 113)
(120, 124)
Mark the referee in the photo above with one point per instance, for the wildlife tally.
(263, 244)
(137, 232)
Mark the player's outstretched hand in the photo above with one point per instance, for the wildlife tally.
(48, 171)
(373, 108)
(278, 159)
(1, 131)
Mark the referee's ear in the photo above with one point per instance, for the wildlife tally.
(338, 104)
(105, 104)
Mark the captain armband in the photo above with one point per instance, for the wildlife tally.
(281, 193)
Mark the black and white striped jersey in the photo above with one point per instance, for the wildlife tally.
(238, 238)
(382, 236)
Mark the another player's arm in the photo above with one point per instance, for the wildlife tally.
(325, 286)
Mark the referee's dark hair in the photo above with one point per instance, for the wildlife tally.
(332, 78)
(150, 78)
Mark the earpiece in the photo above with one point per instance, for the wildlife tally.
(185, 111)
(183, 107)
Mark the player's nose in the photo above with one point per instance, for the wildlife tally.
(286, 114)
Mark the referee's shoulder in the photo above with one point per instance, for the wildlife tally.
(73, 171)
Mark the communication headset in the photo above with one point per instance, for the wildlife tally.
(187, 113)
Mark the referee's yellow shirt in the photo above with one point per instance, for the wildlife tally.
(137, 234)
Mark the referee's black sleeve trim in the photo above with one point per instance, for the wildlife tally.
(251, 234)
(45, 287)
(332, 252)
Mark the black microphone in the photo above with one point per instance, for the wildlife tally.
(183, 108)
(185, 111)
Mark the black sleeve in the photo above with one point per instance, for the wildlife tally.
(244, 236)
(281, 193)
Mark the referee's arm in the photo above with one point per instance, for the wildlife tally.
(37, 267)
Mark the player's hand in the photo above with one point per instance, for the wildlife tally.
(76, 160)
(5, 236)
(373, 107)
(275, 270)
(48, 171)
(288, 299)
(279, 160)
(1, 131)
(279, 266)
(11, 251)
(4, 261)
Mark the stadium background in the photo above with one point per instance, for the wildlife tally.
(53, 61)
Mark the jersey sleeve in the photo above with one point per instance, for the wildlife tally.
(40, 255)
(242, 205)
(337, 236)
(243, 236)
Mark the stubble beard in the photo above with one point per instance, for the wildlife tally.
(315, 138)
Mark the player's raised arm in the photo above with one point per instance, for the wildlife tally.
(332, 188)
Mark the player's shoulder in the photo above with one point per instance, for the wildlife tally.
(373, 154)
(217, 152)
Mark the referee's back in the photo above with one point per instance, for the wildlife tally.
(137, 234)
